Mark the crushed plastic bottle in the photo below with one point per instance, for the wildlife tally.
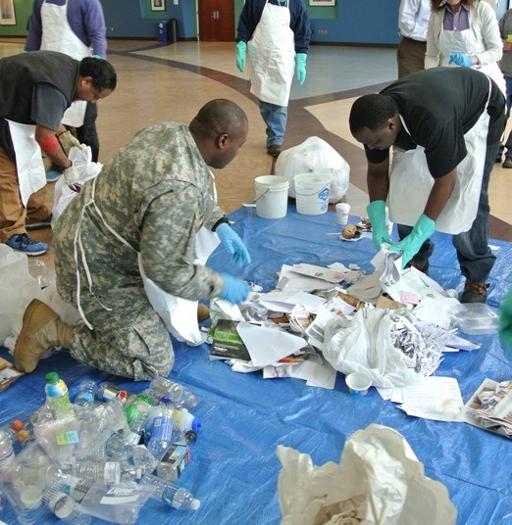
(137, 412)
(179, 499)
(6, 452)
(86, 394)
(57, 396)
(66, 508)
(161, 428)
(178, 394)
(107, 471)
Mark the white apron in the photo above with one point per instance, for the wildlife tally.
(272, 56)
(179, 315)
(58, 36)
(29, 162)
(410, 182)
(467, 41)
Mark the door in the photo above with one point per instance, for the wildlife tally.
(216, 20)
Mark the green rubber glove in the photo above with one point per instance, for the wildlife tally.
(300, 67)
(506, 325)
(410, 245)
(241, 52)
(377, 212)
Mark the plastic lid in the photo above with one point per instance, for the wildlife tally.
(122, 395)
(61, 505)
(197, 425)
(195, 504)
(52, 377)
(190, 436)
(17, 425)
(23, 435)
(31, 497)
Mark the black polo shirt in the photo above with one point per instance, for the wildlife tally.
(438, 107)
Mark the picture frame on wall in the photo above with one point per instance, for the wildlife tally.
(8, 13)
(315, 3)
(157, 5)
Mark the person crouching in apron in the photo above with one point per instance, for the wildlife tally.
(36, 88)
(445, 126)
(277, 34)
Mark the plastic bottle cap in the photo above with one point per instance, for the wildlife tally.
(23, 435)
(197, 424)
(31, 497)
(17, 425)
(195, 504)
(52, 377)
(122, 395)
(190, 436)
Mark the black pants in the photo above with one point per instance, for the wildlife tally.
(87, 133)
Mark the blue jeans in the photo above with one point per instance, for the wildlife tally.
(475, 257)
(508, 144)
(275, 118)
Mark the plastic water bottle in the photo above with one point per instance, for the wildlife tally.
(57, 396)
(137, 412)
(27, 504)
(179, 395)
(107, 471)
(180, 499)
(86, 395)
(185, 421)
(66, 508)
(6, 452)
(118, 445)
(161, 428)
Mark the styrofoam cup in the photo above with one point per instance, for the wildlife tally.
(342, 213)
(358, 383)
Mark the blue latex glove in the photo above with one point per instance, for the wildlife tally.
(377, 212)
(410, 245)
(233, 244)
(235, 290)
(241, 51)
(506, 325)
(460, 59)
(300, 67)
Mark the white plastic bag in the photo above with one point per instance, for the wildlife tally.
(17, 289)
(315, 155)
(82, 160)
(365, 345)
(378, 469)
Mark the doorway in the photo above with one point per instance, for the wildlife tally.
(216, 20)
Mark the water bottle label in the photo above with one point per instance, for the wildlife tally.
(67, 438)
(111, 472)
(161, 430)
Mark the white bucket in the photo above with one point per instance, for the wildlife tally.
(312, 193)
(271, 196)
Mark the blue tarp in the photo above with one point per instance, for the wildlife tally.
(234, 468)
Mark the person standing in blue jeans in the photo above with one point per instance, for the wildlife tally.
(506, 68)
(276, 33)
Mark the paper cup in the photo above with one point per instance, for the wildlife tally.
(358, 383)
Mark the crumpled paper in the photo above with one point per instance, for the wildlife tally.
(378, 481)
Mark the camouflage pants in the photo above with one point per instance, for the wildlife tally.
(130, 340)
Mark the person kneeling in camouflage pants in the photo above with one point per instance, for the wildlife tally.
(148, 203)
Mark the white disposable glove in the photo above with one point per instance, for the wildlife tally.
(71, 178)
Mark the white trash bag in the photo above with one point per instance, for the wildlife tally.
(315, 155)
(82, 160)
(366, 345)
(378, 481)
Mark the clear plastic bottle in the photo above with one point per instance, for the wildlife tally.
(106, 471)
(66, 508)
(106, 392)
(180, 499)
(6, 451)
(86, 393)
(27, 504)
(57, 396)
(179, 395)
(161, 428)
(137, 412)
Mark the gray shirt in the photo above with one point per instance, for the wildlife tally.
(505, 30)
